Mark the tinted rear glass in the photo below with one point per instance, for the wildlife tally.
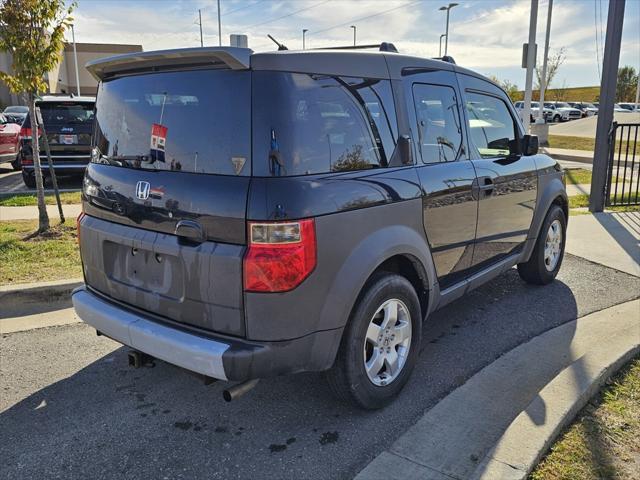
(305, 124)
(189, 121)
(66, 113)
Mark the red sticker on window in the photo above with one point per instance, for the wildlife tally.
(158, 141)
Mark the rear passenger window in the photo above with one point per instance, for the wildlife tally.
(305, 124)
(491, 126)
(439, 127)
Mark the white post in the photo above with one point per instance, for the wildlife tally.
(543, 77)
(531, 61)
(446, 38)
(75, 57)
(200, 23)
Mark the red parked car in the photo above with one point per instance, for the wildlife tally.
(9, 142)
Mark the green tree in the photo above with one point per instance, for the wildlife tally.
(32, 31)
(507, 86)
(627, 84)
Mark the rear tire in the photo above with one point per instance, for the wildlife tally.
(546, 259)
(29, 180)
(374, 363)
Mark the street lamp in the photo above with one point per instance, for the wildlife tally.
(446, 40)
(354, 35)
(304, 32)
(75, 58)
(440, 49)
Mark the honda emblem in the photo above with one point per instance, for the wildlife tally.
(142, 190)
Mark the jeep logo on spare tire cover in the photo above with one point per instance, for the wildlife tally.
(142, 190)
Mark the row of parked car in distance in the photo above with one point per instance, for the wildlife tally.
(564, 111)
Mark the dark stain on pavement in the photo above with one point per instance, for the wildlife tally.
(291, 440)
(328, 437)
(221, 430)
(274, 448)
(183, 425)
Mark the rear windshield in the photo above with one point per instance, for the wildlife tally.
(16, 109)
(66, 113)
(194, 121)
(305, 124)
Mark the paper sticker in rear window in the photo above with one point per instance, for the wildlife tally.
(158, 142)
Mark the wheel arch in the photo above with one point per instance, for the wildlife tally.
(396, 248)
(551, 191)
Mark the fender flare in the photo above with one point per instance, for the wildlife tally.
(370, 253)
(552, 189)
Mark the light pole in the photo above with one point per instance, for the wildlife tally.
(304, 32)
(543, 78)
(446, 40)
(440, 49)
(354, 35)
(75, 57)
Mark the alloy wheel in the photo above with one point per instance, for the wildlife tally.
(553, 245)
(387, 342)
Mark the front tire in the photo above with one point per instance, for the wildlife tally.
(16, 164)
(380, 344)
(545, 261)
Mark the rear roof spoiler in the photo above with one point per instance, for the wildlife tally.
(229, 57)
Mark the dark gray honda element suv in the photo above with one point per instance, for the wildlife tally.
(251, 215)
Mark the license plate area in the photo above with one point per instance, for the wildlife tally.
(146, 270)
(68, 139)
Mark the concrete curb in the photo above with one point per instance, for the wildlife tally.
(504, 418)
(513, 459)
(13, 297)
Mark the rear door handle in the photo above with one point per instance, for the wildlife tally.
(483, 184)
(190, 230)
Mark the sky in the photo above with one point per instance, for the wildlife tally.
(484, 35)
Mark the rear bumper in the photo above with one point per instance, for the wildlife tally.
(218, 357)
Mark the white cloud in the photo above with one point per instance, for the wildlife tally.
(486, 35)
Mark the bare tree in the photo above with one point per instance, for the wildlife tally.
(553, 64)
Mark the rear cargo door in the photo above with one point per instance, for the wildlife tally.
(166, 192)
(69, 125)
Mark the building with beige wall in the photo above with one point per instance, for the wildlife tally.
(62, 79)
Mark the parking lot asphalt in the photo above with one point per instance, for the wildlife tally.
(71, 408)
(11, 182)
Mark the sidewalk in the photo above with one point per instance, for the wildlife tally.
(564, 154)
(501, 421)
(610, 239)
(31, 212)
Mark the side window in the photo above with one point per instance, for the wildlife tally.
(305, 124)
(491, 126)
(439, 128)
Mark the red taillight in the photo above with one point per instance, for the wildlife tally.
(280, 255)
(25, 133)
(78, 221)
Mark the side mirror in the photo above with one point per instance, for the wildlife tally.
(529, 145)
(406, 152)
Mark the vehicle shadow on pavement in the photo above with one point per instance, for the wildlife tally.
(85, 414)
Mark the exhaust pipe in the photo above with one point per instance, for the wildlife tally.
(238, 390)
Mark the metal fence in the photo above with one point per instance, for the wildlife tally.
(623, 179)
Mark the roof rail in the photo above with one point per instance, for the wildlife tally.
(383, 47)
(446, 58)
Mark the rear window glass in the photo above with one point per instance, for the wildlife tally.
(305, 124)
(189, 121)
(66, 113)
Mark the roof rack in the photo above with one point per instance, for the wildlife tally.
(383, 47)
(446, 58)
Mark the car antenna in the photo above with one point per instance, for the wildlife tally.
(281, 46)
